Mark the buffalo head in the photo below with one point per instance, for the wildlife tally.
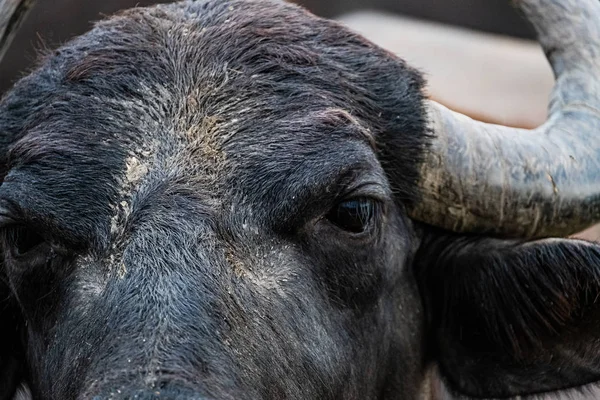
(235, 199)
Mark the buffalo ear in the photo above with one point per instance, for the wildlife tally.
(11, 356)
(12, 14)
(508, 318)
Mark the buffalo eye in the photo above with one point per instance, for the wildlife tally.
(22, 240)
(353, 215)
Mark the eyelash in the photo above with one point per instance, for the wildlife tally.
(22, 239)
(356, 215)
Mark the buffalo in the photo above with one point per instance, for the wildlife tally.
(235, 199)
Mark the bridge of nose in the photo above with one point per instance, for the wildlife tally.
(159, 313)
(170, 393)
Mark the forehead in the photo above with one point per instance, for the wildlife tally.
(194, 88)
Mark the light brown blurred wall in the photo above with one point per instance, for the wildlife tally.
(492, 16)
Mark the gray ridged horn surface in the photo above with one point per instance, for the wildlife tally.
(12, 14)
(480, 177)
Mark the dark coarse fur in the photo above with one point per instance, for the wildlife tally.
(510, 317)
(168, 179)
(177, 161)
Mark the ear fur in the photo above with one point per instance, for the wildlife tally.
(511, 318)
(11, 357)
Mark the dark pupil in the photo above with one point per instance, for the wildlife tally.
(352, 215)
(24, 240)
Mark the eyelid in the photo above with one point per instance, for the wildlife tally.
(369, 189)
(6, 216)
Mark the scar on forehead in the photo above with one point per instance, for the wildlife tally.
(135, 170)
(204, 139)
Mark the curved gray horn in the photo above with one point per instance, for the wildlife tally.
(480, 177)
(12, 14)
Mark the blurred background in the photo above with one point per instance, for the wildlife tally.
(478, 55)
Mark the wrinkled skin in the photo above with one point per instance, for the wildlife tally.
(168, 181)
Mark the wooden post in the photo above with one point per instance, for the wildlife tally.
(12, 14)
